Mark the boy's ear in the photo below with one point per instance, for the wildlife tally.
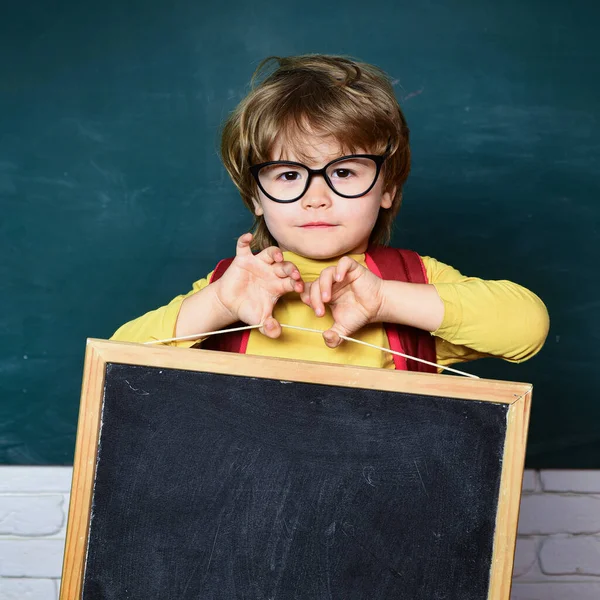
(258, 209)
(387, 198)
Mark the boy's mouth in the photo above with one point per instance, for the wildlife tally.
(317, 225)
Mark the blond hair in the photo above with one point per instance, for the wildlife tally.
(329, 96)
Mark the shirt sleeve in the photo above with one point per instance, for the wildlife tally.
(159, 324)
(485, 318)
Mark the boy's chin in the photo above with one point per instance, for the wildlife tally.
(321, 255)
(324, 252)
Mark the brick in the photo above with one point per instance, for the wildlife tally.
(31, 558)
(65, 508)
(525, 556)
(531, 481)
(555, 513)
(568, 555)
(571, 481)
(31, 515)
(555, 591)
(15, 479)
(27, 589)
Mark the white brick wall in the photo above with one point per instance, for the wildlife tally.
(34, 502)
(558, 551)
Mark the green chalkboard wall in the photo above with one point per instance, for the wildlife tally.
(113, 199)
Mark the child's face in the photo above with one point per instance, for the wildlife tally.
(321, 224)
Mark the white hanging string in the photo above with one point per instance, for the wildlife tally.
(196, 336)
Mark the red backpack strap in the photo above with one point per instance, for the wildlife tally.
(404, 265)
(236, 341)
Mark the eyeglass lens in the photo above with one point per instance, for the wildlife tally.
(349, 177)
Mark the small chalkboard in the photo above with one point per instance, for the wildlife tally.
(216, 476)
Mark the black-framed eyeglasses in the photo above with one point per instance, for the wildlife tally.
(350, 176)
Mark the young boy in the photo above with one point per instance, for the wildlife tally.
(319, 151)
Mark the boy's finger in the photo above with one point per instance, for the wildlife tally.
(292, 285)
(344, 266)
(315, 298)
(305, 294)
(271, 255)
(287, 269)
(242, 247)
(326, 283)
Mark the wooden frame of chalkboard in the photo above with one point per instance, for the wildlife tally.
(100, 354)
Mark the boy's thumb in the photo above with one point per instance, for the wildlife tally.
(242, 247)
(332, 338)
(271, 328)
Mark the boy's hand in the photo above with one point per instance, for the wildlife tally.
(353, 293)
(253, 284)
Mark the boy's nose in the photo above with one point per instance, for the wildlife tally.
(317, 195)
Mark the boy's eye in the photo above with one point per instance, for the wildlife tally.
(342, 173)
(290, 176)
(282, 174)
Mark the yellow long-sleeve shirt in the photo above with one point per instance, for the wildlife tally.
(481, 318)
